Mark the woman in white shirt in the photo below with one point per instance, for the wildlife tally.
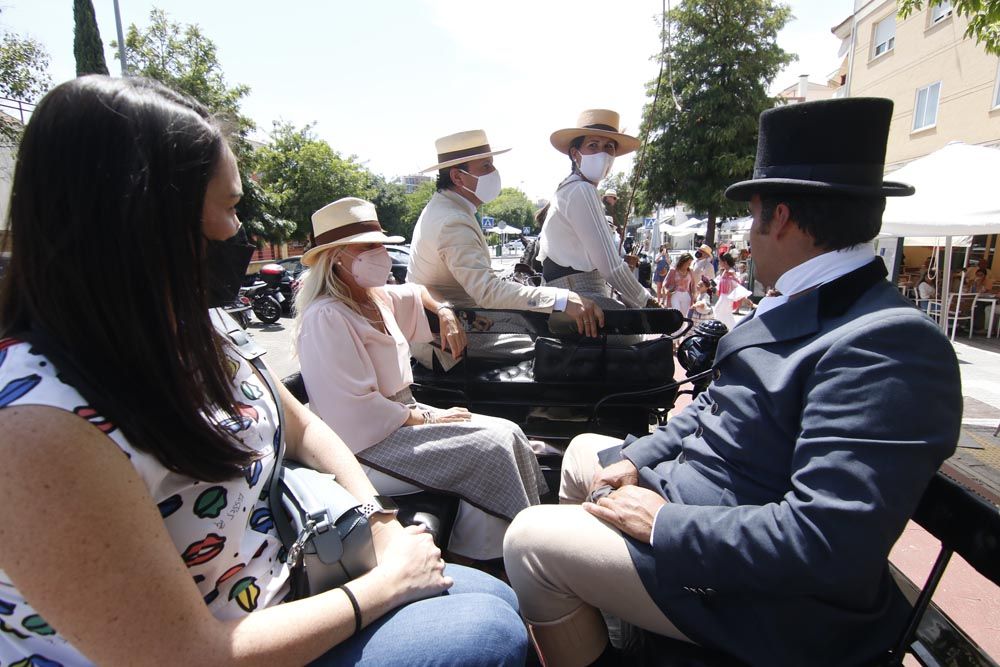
(353, 335)
(577, 249)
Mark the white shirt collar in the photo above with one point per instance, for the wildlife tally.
(817, 271)
(454, 196)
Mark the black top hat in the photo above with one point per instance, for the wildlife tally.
(827, 147)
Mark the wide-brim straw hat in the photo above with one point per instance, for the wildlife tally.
(347, 220)
(833, 147)
(705, 248)
(462, 147)
(595, 122)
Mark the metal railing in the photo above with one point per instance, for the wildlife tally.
(17, 109)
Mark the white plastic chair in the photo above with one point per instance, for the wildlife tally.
(960, 308)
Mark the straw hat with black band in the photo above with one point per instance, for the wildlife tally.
(595, 122)
(460, 148)
(345, 221)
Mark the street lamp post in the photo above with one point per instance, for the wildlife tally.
(121, 40)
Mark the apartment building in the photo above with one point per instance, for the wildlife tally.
(944, 85)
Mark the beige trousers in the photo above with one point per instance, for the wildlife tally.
(559, 558)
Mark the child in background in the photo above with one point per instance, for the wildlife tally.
(702, 309)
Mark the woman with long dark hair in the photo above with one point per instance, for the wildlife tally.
(137, 443)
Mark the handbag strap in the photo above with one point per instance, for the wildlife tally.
(253, 352)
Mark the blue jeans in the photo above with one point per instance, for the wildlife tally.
(475, 623)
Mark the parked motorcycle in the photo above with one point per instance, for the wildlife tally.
(265, 301)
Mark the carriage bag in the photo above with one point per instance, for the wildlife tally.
(590, 360)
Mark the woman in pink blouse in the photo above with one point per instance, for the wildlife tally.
(353, 334)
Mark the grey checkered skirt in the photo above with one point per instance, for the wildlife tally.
(487, 462)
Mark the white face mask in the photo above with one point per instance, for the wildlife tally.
(371, 268)
(487, 187)
(595, 167)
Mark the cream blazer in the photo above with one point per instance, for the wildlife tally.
(449, 256)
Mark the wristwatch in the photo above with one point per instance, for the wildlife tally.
(379, 505)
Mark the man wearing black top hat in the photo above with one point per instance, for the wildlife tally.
(758, 521)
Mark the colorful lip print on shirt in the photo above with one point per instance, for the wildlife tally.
(248, 411)
(261, 520)
(170, 505)
(252, 472)
(245, 592)
(7, 608)
(37, 624)
(234, 367)
(36, 661)
(91, 415)
(204, 550)
(236, 424)
(251, 390)
(16, 389)
(260, 550)
(210, 503)
(229, 574)
(11, 631)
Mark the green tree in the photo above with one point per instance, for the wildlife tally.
(182, 57)
(415, 203)
(185, 59)
(983, 15)
(24, 68)
(302, 173)
(703, 129)
(87, 45)
(513, 207)
(24, 77)
(390, 202)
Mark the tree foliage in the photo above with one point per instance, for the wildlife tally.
(416, 201)
(24, 77)
(722, 56)
(24, 68)
(983, 15)
(185, 59)
(302, 173)
(87, 45)
(513, 207)
(390, 202)
(182, 57)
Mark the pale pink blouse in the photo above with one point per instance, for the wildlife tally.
(351, 368)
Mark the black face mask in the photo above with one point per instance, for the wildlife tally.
(226, 264)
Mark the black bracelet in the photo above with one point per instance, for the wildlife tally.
(357, 609)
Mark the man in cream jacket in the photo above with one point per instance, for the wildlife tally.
(449, 254)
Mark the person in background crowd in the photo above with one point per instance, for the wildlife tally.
(148, 437)
(703, 265)
(702, 308)
(680, 285)
(726, 281)
(576, 250)
(661, 267)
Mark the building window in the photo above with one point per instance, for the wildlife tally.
(940, 11)
(996, 91)
(885, 35)
(925, 113)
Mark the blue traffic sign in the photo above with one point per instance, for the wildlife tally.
(526, 230)
(648, 223)
(488, 222)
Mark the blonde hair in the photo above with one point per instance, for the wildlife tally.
(321, 281)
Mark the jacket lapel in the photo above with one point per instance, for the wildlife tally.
(801, 316)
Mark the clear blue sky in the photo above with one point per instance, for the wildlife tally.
(383, 78)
